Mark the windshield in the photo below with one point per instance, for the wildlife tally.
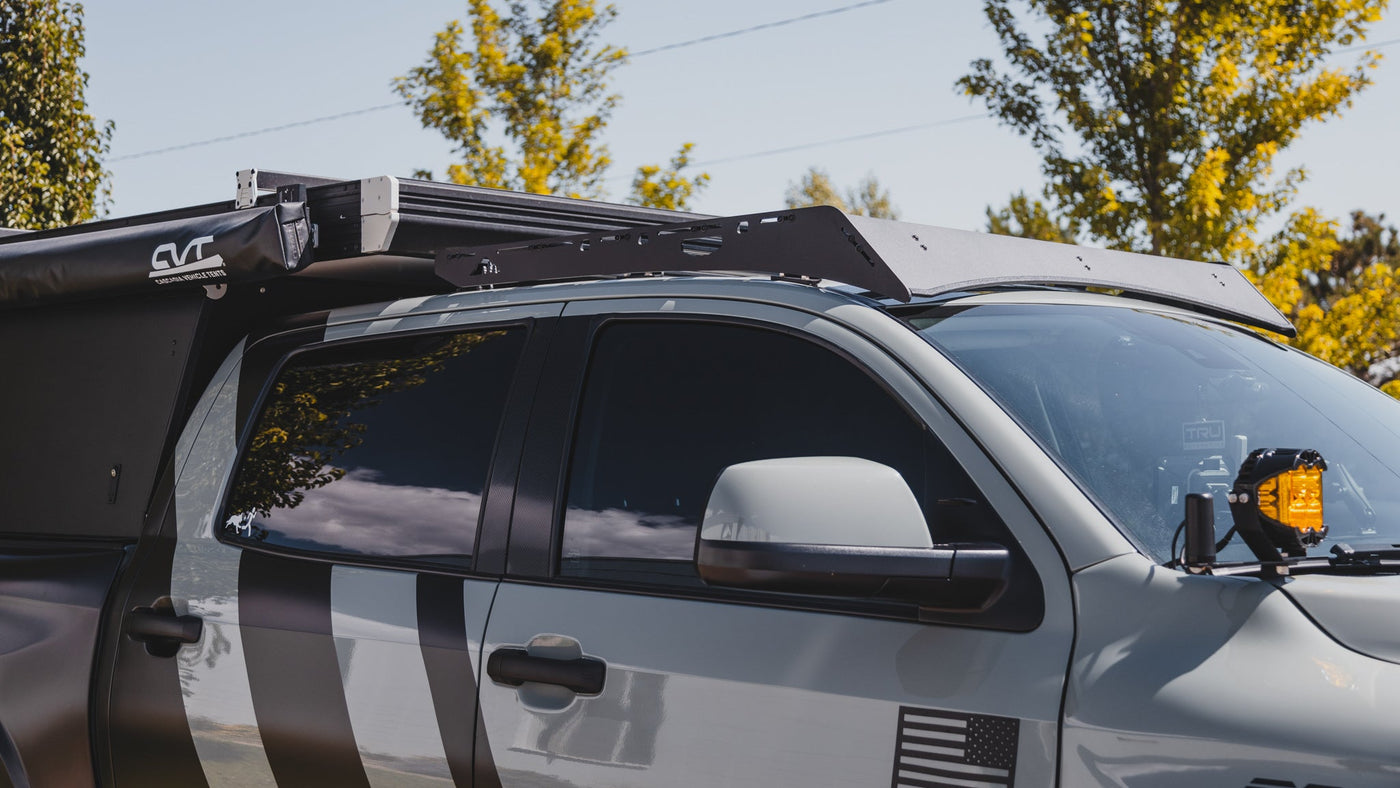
(1142, 407)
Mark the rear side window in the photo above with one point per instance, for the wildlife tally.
(668, 405)
(376, 449)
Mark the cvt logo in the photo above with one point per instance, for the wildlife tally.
(170, 264)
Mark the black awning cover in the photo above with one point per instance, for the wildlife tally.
(237, 246)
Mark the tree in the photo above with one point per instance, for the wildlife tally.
(537, 79)
(1029, 218)
(864, 199)
(1370, 242)
(1342, 292)
(668, 189)
(1158, 121)
(50, 147)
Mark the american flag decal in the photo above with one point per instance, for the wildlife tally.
(949, 749)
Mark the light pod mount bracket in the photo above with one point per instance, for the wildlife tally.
(1276, 502)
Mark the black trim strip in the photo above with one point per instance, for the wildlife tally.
(442, 637)
(533, 542)
(284, 607)
(493, 529)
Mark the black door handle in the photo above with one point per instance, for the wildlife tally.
(161, 630)
(515, 666)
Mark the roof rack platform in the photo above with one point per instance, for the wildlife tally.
(894, 259)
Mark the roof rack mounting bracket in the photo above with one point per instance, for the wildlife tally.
(252, 182)
(379, 213)
(247, 195)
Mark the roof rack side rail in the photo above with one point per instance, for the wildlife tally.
(805, 244)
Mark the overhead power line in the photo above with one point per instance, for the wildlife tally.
(869, 135)
(1360, 47)
(840, 140)
(256, 132)
(755, 28)
(382, 107)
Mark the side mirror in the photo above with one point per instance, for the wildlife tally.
(840, 526)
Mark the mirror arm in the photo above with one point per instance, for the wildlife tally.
(949, 577)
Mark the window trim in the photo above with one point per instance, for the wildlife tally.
(269, 357)
(545, 472)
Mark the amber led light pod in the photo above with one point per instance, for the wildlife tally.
(1277, 501)
(1293, 498)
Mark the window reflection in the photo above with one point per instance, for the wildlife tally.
(1143, 408)
(668, 405)
(376, 448)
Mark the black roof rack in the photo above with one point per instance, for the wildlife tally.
(420, 236)
(809, 244)
(888, 258)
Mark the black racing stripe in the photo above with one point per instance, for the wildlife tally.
(143, 735)
(284, 606)
(11, 768)
(442, 636)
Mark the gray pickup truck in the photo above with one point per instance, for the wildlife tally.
(397, 483)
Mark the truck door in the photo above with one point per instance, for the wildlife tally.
(618, 666)
(332, 548)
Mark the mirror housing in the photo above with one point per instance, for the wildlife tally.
(787, 525)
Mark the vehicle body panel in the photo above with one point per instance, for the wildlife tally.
(703, 692)
(1220, 681)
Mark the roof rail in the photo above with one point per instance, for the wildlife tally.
(888, 258)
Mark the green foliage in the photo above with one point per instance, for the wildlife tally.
(538, 79)
(1028, 218)
(864, 199)
(654, 187)
(50, 147)
(1158, 121)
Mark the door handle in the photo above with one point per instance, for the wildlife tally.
(515, 666)
(161, 630)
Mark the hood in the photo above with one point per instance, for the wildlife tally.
(1361, 613)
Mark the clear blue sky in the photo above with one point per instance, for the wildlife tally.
(172, 72)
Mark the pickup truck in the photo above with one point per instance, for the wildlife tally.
(396, 483)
